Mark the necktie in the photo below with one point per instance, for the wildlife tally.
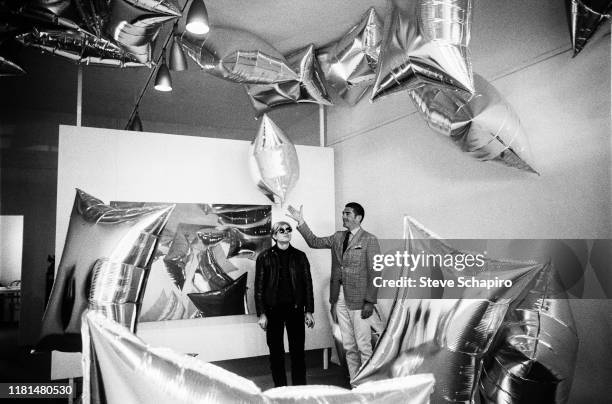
(346, 241)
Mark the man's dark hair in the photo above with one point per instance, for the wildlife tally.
(357, 208)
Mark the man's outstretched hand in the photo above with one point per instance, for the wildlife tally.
(296, 215)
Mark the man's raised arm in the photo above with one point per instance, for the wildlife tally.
(312, 240)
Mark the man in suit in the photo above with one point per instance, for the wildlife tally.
(352, 293)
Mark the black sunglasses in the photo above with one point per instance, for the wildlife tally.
(284, 230)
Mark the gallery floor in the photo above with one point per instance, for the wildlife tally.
(18, 365)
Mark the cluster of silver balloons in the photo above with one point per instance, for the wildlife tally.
(422, 48)
(425, 51)
(104, 266)
(112, 33)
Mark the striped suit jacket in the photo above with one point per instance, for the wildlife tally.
(353, 269)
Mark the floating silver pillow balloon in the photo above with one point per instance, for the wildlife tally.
(585, 18)
(310, 87)
(56, 7)
(238, 56)
(94, 15)
(350, 63)
(482, 124)
(134, 24)
(50, 13)
(99, 238)
(425, 42)
(273, 161)
(79, 46)
(8, 68)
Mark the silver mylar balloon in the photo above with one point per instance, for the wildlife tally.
(56, 7)
(135, 24)
(94, 14)
(47, 18)
(415, 389)
(535, 351)
(309, 88)
(8, 68)
(483, 124)
(97, 231)
(117, 290)
(80, 47)
(425, 43)
(132, 372)
(238, 56)
(448, 336)
(168, 7)
(274, 162)
(585, 17)
(120, 367)
(350, 63)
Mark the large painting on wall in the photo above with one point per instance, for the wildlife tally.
(204, 265)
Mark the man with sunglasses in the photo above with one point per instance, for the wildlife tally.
(352, 293)
(283, 299)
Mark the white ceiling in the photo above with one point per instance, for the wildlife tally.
(504, 34)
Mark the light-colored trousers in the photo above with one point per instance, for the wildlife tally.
(356, 335)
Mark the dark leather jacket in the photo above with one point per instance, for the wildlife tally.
(266, 279)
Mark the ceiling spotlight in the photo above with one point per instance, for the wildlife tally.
(163, 81)
(135, 124)
(197, 18)
(178, 62)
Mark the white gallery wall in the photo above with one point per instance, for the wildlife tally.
(387, 158)
(11, 248)
(403, 167)
(118, 165)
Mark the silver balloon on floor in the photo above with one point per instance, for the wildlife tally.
(120, 367)
(534, 355)
(448, 336)
(238, 56)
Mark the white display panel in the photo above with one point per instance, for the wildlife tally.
(116, 165)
